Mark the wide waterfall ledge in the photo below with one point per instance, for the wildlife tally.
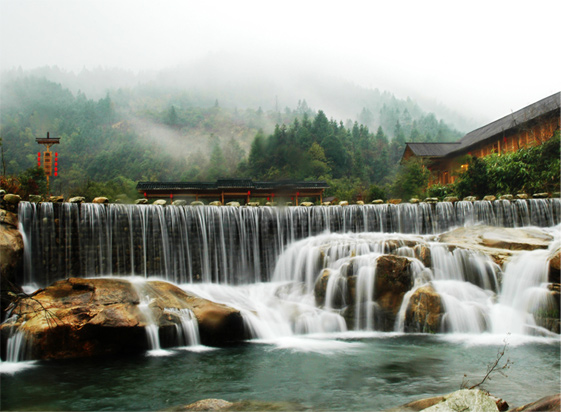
(155, 278)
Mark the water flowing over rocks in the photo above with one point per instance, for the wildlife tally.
(88, 317)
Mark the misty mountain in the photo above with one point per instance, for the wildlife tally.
(238, 83)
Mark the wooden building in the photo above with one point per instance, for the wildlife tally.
(226, 190)
(529, 126)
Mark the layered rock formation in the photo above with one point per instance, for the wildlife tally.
(88, 317)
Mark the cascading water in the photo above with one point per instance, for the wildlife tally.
(272, 263)
(226, 245)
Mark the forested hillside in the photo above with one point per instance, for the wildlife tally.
(154, 132)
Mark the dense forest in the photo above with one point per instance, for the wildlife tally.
(163, 134)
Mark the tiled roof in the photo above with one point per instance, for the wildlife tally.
(542, 107)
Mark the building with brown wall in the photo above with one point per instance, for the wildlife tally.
(526, 127)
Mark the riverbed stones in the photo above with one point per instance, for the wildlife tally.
(100, 316)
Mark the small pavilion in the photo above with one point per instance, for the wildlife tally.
(226, 190)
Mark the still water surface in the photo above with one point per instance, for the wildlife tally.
(351, 371)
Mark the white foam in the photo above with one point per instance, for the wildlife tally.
(13, 367)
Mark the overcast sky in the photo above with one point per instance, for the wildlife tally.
(485, 58)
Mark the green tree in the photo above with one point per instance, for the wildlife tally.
(411, 180)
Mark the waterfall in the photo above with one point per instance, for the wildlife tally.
(152, 329)
(301, 270)
(525, 294)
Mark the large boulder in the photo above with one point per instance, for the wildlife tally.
(11, 256)
(393, 280)
(89, 317)
(424, 311)
(465, 400)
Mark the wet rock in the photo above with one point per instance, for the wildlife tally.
(465, 400)
(423, 253)
(245, 405)
(417, 405)
(35, 198)
(540, 195)
(470, 198)
(360, 202)
(326, 204)
(424, 311)
(490, 198)
(102, 200)
(431, 200)
(141, 201)
(393, 280)
(233, 204)
(89, 317)
(394, 201)
(555, 267)
(215, 203)
(12, 199)
(205, 405)
(521, 196)
(506, 197)
(179, 202)
(414, 200)
(340, 296)
(11, 256)
(197, 203)
(307, 204)
(160, 202)
(451, 199)
(377, 202)
(77, 199)
(252, 204)
(344, 203)
(546, 404)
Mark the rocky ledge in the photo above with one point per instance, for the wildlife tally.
(89, 317)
